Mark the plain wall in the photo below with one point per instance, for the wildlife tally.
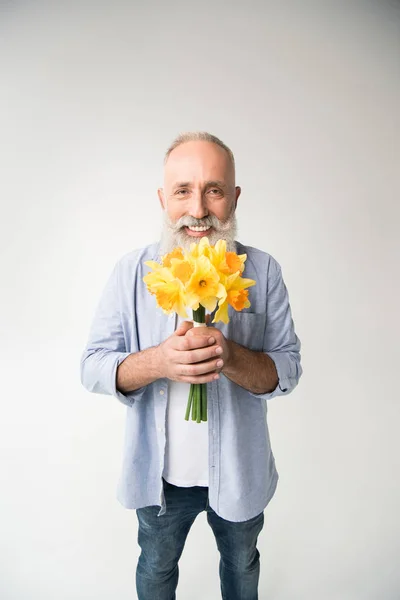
(307, 95)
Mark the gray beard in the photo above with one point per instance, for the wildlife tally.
(173, 234)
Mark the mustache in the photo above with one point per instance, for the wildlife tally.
(210, 221)
(193, 223)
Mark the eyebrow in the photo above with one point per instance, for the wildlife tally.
(207, 184)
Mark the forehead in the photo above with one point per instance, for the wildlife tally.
(196, 161)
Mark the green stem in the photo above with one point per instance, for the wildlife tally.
(194, 406)
(189, 403)
(199, 315)
(198, 413)
(204, 402)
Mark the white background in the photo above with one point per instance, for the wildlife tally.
(307, 96)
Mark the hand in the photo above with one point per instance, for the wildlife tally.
(222, 343)
(191, 358)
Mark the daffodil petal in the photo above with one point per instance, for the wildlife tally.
(153, 264)
(209, 303)
(222, 313)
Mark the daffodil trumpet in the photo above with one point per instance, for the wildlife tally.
(204, 278)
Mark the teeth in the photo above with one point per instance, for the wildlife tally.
(198, 228)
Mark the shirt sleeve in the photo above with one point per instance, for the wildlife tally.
(105, 348)
(280, 340)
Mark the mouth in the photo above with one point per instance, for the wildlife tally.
(198, 231)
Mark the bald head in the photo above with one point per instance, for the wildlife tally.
(198, 161)
(199, 136)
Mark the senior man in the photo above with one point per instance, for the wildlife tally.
(174, 469)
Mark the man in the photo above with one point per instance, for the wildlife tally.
(174, 469)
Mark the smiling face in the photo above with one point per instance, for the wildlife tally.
(199, 197)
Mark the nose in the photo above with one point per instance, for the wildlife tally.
(198, 206)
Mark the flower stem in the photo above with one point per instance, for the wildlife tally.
(204, 402)
(194, 406)
(199, 315)
(189, 403)
(198, 413)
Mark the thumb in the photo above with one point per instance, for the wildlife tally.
(183, 327)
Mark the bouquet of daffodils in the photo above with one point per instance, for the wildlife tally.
(199, 279)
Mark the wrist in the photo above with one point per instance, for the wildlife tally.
(229, 356)
(159, 362)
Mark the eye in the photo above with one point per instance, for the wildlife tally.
(179, 192)
(215, 191)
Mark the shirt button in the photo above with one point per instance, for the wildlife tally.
(160, 429)
(161, 392)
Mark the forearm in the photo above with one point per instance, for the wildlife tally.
(254, 371)
(139, 369)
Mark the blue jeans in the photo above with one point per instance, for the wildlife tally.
(162, 539)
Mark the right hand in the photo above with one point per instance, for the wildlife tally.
(191, 359)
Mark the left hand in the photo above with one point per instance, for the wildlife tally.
(221, 346)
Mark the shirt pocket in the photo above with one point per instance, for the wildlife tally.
(247, 329)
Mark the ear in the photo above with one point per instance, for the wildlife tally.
(161, 198)
(237, 194)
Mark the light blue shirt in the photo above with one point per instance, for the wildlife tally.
(242, 472)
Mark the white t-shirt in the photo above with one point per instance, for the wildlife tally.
(186, 450)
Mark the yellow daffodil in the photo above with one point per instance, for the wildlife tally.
(203, 276)
(167, 258)
(168, 289)
(204, 286)
(235, 262)
(203, 248)
(227, 262)
(182, 269)
(236, 296)
(171, 298)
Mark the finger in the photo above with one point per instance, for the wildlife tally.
(193, 342)
(182, 343)
(200, 379)
(202, 368)
(199, 331)
(200, 354)
(183, 328)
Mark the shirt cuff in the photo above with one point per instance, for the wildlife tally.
(127, 398)
(99, 375)
(285, 383)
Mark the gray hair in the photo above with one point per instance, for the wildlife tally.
(195, 136)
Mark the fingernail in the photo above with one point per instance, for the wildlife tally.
(220, 363)
(216, 377)
(211, 340)
(218, 350)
